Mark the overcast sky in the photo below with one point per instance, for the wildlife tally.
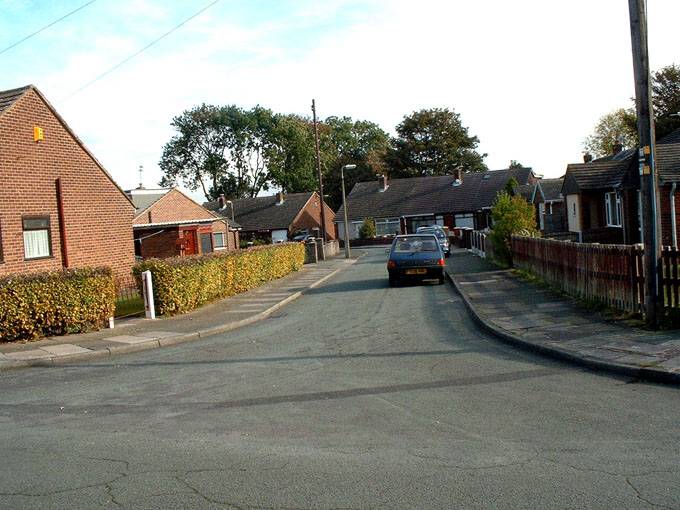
(529, 77)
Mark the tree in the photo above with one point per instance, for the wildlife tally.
(292, 163)
(514, 164)
(616, 126)
(433, 142)
(510, 215)
(220, 150)
(666, 99)
(346, 141)
(367, 229)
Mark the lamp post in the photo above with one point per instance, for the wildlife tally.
(344, 205)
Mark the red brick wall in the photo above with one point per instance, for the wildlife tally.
(310, 218)
(98, 217)
(158, 242)
(174, 206)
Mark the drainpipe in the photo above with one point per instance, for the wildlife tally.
(62, 223)
(674, 232)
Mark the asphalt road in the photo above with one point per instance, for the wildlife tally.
(355, 396)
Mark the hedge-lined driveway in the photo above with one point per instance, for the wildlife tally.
(355, 396)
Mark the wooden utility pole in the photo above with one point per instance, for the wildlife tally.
(648, 177)
(318, 170)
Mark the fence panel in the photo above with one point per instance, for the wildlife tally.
(669, 277)
(128, 299)
(611, 274)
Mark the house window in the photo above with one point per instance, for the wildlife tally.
(465, 220)
(612, 202)
(219, 240)
(206, 243)
(37, 238)
(387, 226)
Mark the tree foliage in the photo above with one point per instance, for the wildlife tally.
(433, 142)
(510, 215)
(220, 149)
(666, 99)
(618, 125)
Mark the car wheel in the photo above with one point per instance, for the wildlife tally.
(393, 281)
(441, 280)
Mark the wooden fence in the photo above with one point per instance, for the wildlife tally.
(669, 277)
(611, 274)
(478, 243)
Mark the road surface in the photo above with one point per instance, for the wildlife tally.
(355, 396)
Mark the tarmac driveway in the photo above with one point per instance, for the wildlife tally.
(355, 396)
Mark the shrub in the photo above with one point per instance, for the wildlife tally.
(511, 215)
(182, 284)
(55, 303)
(367, 229)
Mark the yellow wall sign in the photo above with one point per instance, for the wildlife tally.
(38, 135)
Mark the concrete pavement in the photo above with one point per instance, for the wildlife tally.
(536, 318)
(140, 334)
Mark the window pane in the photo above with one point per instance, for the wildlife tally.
(219, 240)
(36, 244)
(36, 223)
(206, 243)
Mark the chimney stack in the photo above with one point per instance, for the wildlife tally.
(384, 182)
(458, 174)
(587, 157)
(221, 202)
(280, 198)
(617, 147)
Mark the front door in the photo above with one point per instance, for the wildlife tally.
(190, 247)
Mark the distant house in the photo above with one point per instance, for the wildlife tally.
(551, 209)
(276, 218)
(400, 206)
(603, 196)
(168, 223)
(59, 208)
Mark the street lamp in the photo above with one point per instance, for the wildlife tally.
(344, 205)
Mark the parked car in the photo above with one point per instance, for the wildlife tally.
(441, 237)
(303, 238)
(416, 257)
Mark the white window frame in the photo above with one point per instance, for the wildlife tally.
(216, 245)
(613, 198)
(38, 237)
(388, 225)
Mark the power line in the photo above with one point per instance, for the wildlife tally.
(46, 27)
(138, 52)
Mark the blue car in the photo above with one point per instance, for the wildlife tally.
(416, 257)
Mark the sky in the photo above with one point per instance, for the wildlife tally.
(530, 78)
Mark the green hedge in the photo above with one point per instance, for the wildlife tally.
(55, 303)
(182, 284)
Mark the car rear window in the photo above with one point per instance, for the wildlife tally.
(434, 231)
(415, 244)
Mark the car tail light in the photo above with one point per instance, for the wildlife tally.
(391, 264)
(442, 262)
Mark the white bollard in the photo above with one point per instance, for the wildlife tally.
(147, 287)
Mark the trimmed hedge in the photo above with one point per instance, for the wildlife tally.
(181, 284)
(55, 303)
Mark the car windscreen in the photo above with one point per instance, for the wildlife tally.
(414, 244)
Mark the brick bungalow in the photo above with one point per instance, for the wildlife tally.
(168, 223)
(59, 208)
(400, 206)
(603, 200)
(278, 217)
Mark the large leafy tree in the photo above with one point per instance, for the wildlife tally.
(220, 150)
(347, 141)
(292, 158)
(433, 142)
(618, 125)
(666, 99)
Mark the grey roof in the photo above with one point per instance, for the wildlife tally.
(596, 175)
(668, 161)
(672, 137)
(429, 195)
(263, 213)
(8, 97)
(525, 190)
(551, 189)
(146, 200)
